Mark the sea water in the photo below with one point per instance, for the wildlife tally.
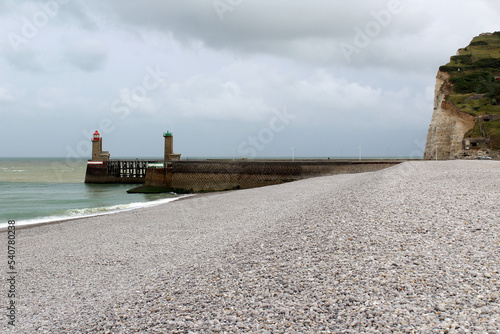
(35, 190)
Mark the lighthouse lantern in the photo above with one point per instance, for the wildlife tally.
(97, 136)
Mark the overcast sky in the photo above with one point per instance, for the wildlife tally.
(257, 77)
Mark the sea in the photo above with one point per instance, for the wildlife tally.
(39, 190)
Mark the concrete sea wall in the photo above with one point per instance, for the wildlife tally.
(202, 176)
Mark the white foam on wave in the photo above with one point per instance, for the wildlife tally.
(91, 212)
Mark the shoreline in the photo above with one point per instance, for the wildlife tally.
(413, 248)
(63, 220)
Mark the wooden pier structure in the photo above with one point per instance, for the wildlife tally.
(117, 171)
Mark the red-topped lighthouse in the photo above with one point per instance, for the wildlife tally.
(97, 153)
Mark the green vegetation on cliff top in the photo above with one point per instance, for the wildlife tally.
(475, 77)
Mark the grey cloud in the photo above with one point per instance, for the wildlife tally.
(309, 31)
(25, 60)
(251, 20)
(79, 14)
(87, 55)
(7, 95)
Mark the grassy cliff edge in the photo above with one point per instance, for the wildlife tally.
(475, 80)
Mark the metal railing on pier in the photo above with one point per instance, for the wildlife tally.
(127, 168)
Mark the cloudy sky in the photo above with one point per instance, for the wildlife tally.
(251, 76)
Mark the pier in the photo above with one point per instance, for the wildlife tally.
(117, 171)
(181, 176)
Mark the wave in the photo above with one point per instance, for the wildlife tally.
(91, 212)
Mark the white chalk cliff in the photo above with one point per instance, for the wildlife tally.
(448, 125)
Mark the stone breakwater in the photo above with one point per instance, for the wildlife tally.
(411, 248)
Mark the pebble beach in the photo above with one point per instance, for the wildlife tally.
(413, 248)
